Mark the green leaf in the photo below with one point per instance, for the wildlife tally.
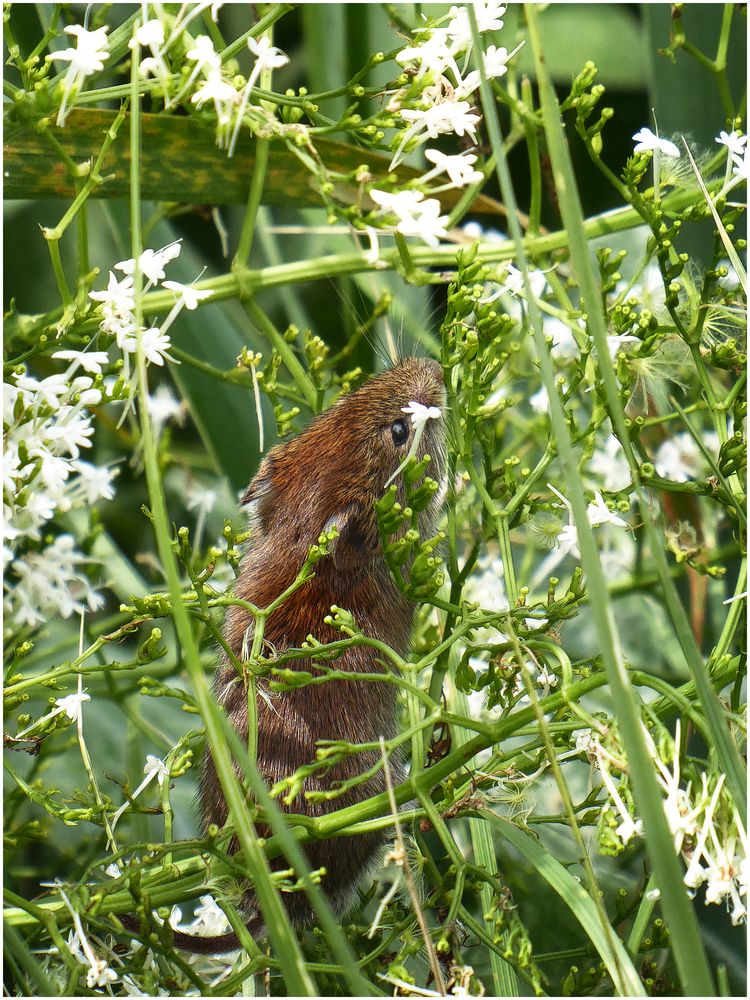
(180, 162)
(610, 947)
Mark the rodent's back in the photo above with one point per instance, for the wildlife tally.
(330, 474)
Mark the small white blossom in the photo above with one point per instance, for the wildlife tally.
(734, 142)
(155, 346)
(459, 168)
(100, 974)
(86, 58)
(210, 919)
(90, 361)
(610, 465)
(489, 17)
(599, 513)
(434, 54)
(420, 415)
(156, 766)
(203, 54)
(151, 263)
(150, 34)
(679, 458)
(438, 119)
(190, 296)
(417, 216)
(71, 704)
(616, 341)
(164, 406)
(647, 141)
(267, 56)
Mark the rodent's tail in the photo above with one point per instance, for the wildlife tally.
(215, 945)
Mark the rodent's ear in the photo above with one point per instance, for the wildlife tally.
(257, 500)
(356, 542)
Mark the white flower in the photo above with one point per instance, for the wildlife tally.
(190, 296)
(679, 458)
(496, 60)
(446, 116)
(112, 870)
(86, 58)
(267, 56)
(438, 119)
(48, 583)
(417, 216)
(615, 342)
(71, 704)
(646, 140)
(459, 167)
(94, 482)
(100, 974)
(401, 202)
(155, 346)
(215, 88)
(210, 919)
(155, 766)
(151, 263)
(734, 142)
(489, 18)
(48, 391)
(434, 54)
(420, 413)
(203, 53)
(564, 344)
(150, 35)
(741, 165)
(610, 465)
(164, 406)
(599, 513)
(90, 361)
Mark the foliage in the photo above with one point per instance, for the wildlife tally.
(572, 702)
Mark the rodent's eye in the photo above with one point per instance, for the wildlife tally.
(399, 432)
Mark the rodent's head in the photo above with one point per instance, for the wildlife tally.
(333, 472)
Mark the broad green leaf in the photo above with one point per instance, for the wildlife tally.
(610, 947)
(180, 162)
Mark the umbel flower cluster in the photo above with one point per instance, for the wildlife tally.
(50, 422)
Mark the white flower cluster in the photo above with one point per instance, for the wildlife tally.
(47, 424)
(443, 109)
(706, 827)
(118, 305)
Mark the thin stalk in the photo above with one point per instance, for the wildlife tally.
(282, 937)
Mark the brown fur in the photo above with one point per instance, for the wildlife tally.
(331, 473)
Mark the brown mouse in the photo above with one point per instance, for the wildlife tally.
(330, 474)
